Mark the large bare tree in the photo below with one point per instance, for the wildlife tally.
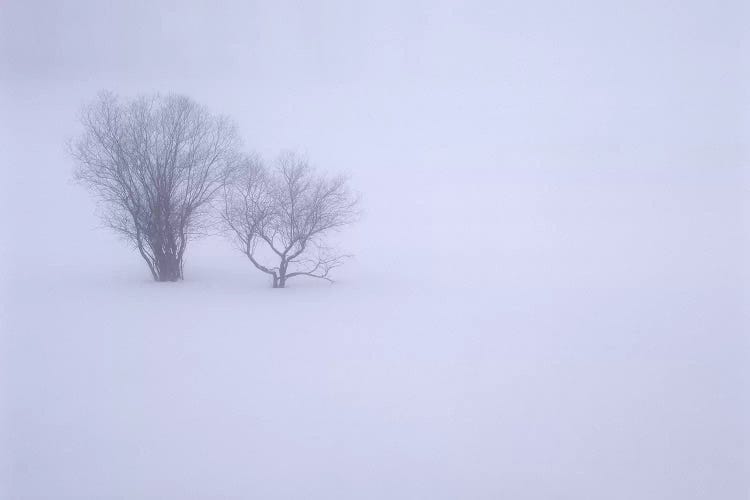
(288, 211)
(154, 164)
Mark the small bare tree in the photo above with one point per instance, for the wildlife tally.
(289, 210)
(154, 163)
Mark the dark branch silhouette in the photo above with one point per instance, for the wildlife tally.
(154, 163)
(289, 210)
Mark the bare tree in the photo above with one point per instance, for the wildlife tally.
(154, 164)
(288, 210)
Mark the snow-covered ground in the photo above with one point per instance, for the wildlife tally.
(585, 347)
(549, 295)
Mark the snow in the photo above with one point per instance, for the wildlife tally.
(553, 369)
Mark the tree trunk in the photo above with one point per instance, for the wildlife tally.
(168, 268)
(280, 282)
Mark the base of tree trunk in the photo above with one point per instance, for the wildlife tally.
(168, 270)
(165, 279)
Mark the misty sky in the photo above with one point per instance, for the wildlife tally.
(474, 82)
(593, 92)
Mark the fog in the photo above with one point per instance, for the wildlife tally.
(549, 292)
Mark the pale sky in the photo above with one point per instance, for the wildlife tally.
(492, 78)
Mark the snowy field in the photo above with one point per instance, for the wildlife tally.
(548, 298)
(570, 355)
